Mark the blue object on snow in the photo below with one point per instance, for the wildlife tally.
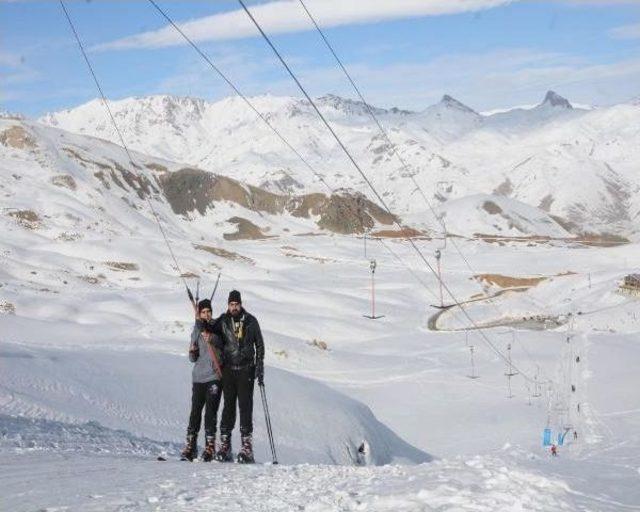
(546, 437)
(561, 437)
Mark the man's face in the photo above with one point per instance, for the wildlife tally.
(235, 307)
(205, 314)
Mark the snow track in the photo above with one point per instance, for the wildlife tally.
(106, 483)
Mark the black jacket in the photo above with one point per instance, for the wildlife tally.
(243, 352)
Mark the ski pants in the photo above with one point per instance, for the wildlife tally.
(238, 388)
(209, 394)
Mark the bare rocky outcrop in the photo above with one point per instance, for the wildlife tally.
(111, 172)
(246, 230)
(190, 190)
(122, 265)
(64, 181)
(18, 138)
(26, 218)
(223, 253)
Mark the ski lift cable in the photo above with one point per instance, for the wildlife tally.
(395, 151)
(122, 142)
(124, 146)
(246, 100)
(384, 133)
(372, 114)
(131, 160)
(250, 104)
(373, 189)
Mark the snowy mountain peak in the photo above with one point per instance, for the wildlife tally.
(553, 99)
(347, 105)
(450, 102)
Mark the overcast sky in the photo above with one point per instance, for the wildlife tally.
(407, 53)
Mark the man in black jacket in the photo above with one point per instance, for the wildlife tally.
(243, 362)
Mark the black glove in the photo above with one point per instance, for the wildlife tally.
(260, 373)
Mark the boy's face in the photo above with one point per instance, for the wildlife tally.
(205, 314)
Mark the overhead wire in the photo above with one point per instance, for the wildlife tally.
(122, 142)
(393, 148)
(374, 190)
(261, 116)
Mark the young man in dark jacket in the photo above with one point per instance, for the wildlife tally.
(205, 351)
(243, 352)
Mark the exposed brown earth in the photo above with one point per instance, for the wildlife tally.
(26, 218)
(405, 232)
(508, 281)
(122, 265)
(189, 190)
(69, 237)
(591, 239)
(18, 138)
(91, 279)
(491, 208)
(319, 259)
(157, 167)
(7, 307)
(223, 253)
(118, 175)
(64, 181)
(515, 282)
(246, 230)
(322, 345)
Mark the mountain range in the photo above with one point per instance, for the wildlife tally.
(555, 170)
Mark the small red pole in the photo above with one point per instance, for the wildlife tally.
(373, 295)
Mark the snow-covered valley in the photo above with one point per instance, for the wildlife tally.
(94, 323)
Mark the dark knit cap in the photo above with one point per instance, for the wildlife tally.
(234, 296)
(204, 304)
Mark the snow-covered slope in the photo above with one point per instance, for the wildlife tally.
(537, 156)
(64, 388)
(471, 215)
(94, 323)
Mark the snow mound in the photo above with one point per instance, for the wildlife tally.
(484, 214)
(311, 422)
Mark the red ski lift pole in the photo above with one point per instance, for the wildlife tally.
(372, 316)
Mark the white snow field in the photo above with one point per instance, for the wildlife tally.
(95, 382)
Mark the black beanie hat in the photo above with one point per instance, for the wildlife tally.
(234, 296)
(204, 304)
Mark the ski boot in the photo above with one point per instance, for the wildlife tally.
(245, 456)
(190, 450)
(224, 453)
(209, 449)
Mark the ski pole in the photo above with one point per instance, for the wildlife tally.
(215, 288)
(191, 299)
(267, 418)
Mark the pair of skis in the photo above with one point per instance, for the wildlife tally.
(240, 459)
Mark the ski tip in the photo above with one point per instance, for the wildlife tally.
(161, 458)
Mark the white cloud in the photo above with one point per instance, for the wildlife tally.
(286, 16)
(626, 32)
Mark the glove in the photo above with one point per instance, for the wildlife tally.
(260, 373)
